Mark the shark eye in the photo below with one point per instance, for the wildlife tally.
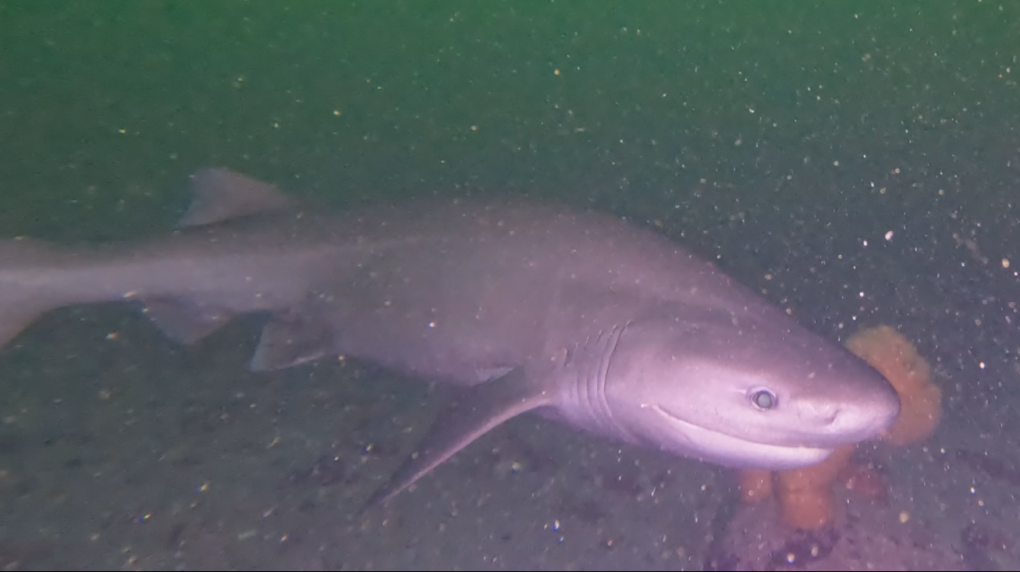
(763, 399)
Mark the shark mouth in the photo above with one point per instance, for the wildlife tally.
(729, 449)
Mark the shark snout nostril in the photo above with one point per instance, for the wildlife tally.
(825, 414)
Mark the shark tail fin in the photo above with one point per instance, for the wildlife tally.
(21, 302)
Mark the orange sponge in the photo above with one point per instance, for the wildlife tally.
(805, 495)
(897, 359)
(755, 485)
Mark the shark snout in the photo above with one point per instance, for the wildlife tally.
(854, 420)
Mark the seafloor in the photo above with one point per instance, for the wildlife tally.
(138, 454)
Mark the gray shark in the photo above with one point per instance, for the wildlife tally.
(582, 317)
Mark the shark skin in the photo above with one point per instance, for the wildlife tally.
(583, 317)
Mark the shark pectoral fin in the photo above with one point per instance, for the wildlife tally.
(183, 321)
(292, 339)
(478, 410)
(221, 194)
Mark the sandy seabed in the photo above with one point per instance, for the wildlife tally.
(120, 450)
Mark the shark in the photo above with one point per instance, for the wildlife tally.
(580, 316)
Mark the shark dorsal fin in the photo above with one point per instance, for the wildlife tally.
(222, 194)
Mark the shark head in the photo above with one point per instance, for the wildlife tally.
(762, 393)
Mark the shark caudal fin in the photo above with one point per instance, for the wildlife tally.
(23, 291)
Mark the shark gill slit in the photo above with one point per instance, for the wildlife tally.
(600, 404)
